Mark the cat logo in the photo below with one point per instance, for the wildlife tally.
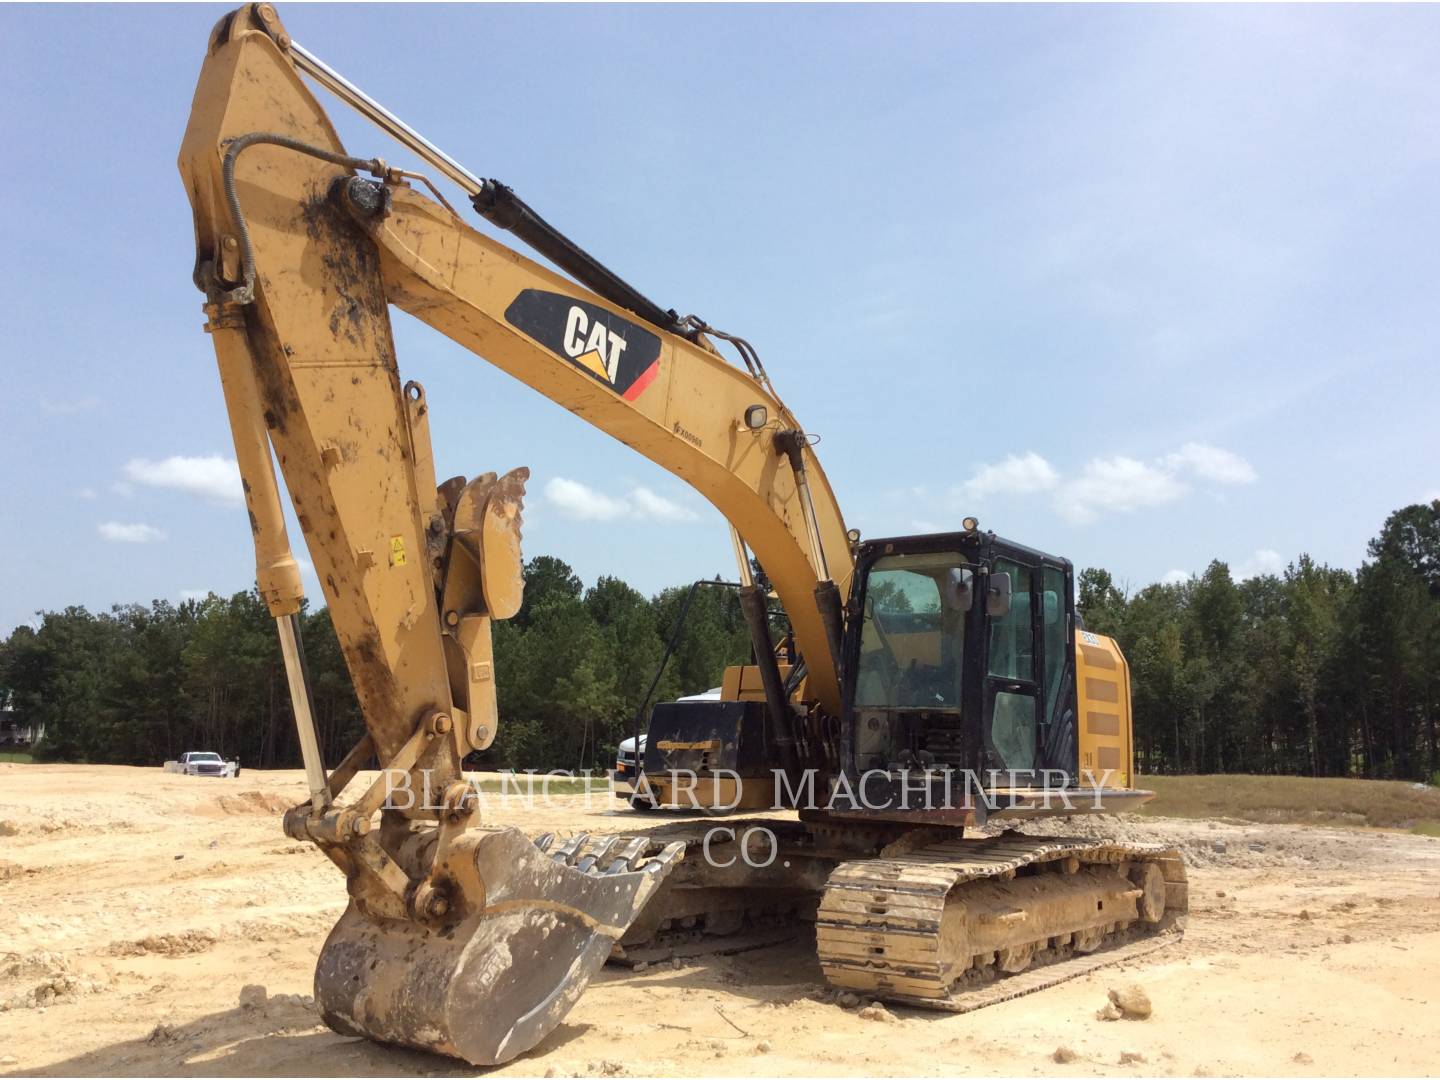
(593, 346)
(612, 350)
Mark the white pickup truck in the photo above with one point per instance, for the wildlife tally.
(203, 763)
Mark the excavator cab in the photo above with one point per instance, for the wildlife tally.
(964, 655)
(959, 666)
(961, 655)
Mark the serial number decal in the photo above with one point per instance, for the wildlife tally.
(610, 349)
(688, 436)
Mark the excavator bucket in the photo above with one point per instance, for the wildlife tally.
(493, 981)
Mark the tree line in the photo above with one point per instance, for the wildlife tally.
(1315, 671)
(142, 684)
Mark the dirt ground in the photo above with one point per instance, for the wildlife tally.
(135, 906)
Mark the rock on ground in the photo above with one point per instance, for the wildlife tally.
(1132, 1002)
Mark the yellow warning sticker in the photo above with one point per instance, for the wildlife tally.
(397, 551)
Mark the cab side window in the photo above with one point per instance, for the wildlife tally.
(1012, 637)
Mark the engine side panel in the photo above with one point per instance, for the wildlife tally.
(1102, 687)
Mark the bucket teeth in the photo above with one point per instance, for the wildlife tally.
(626, 858)
(567, 851)
(544, 840)
(598, 852)
(661, 864)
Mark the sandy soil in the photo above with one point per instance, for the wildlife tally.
(134, 906)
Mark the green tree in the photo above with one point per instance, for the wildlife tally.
(1100, 602)
(1397, 642)
(627, 624)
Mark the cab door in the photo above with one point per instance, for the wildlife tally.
(1013, 690)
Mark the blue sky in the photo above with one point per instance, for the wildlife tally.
(1141, 286)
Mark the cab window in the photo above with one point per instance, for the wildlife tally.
(1012, 636)
(912, 633)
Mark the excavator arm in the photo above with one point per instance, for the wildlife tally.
(470, 941)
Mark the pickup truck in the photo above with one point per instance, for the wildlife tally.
(203, 763)
(626, 774)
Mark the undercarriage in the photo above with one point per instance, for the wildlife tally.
(921, 917)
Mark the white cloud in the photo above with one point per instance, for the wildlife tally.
(658, 508)
(1431, 495)
(574, 500)
(1211, 463)
(87, 493)
(1264, 561)
(1118, 484)
(1022, 474)
(195, 594)
(581, 503)
(1124, 484)
(119, 533)
(1175, 577)
(214, 477)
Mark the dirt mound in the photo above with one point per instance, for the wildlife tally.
(1225, 844)
(51, 979)
(251, 802)
(289, 926)
(294, 849)
(186, 943)
(162, 1034)
(28, 965)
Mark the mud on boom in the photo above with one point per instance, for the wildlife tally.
(911, 657)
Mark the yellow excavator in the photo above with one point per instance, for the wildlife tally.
(927, 685)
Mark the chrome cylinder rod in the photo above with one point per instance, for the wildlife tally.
(287, 625)
(383, 118)
(807, 511)
(742, 557)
